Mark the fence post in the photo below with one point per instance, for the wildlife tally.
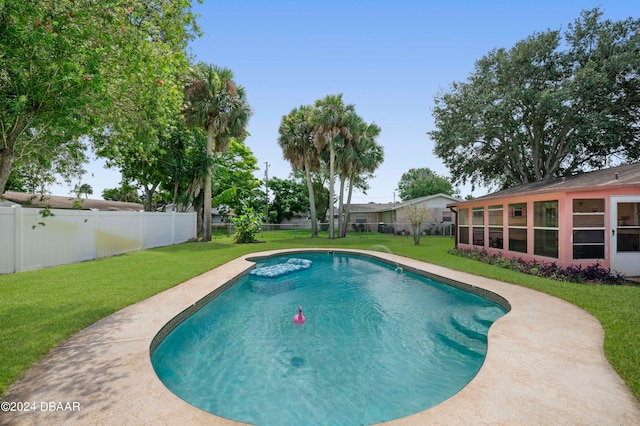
(141, 233)
(173, 226)
(17, 241)
(96, 233)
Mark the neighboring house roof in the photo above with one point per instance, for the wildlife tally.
(61, 202)
(598, 179)
(379, 208)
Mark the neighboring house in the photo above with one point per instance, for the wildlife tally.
(392, 217)
(60, 202)
(578, 220)
(300, 220)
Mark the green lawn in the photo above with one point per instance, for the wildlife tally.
(39, 309)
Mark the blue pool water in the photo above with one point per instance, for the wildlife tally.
(378, 344)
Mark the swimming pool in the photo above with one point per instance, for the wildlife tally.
(378, 344)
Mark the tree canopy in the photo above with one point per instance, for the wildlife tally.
(216, 104)
(421, 182)
(329, 136)
(74, 71)
(296, 141)
(289, 197)
(549, 106)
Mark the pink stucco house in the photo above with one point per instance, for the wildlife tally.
(582, 219)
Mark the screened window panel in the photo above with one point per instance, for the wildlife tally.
(545, 243)
(496, 238)
(582, 236)
(478, 236)
(545, 214)
(518, 214)
(463, 217)
(463, 237)
(518, 240)
(495, 216)
(588, 205)
(628, 240)
(588, 251)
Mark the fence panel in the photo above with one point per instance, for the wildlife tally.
(184, 227)
(66, 237)
(27, 241)
(118, 232)
(7, 240)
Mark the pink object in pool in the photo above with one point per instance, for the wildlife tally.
(299, 318)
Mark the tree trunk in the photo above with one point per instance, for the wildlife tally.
(312, 201)
(149, 191)
(199, 216)
(6, 161)
(206, 220)
(7, 154)
(175, 195)
(332, 178)
(348, 205)
(341, 218)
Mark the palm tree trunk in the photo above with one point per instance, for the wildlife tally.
(332, 178)
(341, 218)
(312, 200)
(348, 205)
(206, 220)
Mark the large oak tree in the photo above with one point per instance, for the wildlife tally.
(549, 106)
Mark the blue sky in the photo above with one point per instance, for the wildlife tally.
(388, 58)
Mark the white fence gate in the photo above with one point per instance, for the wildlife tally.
(77, 235)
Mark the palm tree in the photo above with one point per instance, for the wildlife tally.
(296, 141)
(362, 158)
(331, 122)
(85, 189)
(215, 103)
(346, 155)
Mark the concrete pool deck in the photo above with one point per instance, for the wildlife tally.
(545, 364)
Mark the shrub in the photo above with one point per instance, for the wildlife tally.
(247, 226)
(593, 274)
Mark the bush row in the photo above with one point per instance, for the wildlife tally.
(592, 274)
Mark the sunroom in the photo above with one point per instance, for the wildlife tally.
(578, 220)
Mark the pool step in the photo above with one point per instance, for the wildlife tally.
(463, 343)
(470, 327)
(488, 315)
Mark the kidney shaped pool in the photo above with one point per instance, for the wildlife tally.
(377, 343)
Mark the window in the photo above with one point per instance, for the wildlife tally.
(518, 227)
(477, 217)
(588, 228)
(496, 233)
(628, 236)
(463, 226)
(545, 228)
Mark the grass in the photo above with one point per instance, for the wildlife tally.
(39, 309)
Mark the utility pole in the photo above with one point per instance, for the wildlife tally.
(266, 192)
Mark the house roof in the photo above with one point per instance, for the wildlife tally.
(598, 179)
(378, 208)
(61, 202)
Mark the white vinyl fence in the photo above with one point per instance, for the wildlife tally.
(77, 235)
